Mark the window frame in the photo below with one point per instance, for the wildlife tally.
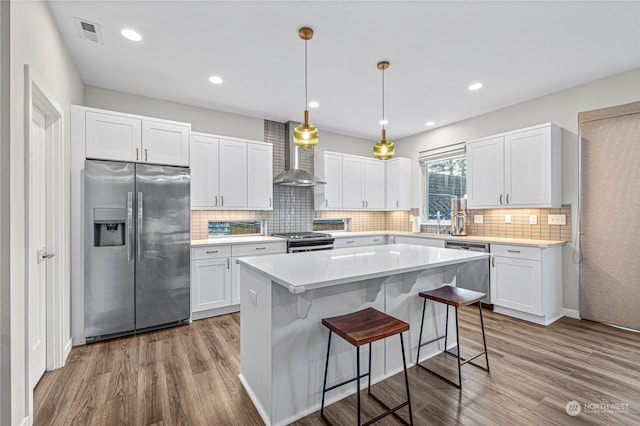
(424, 188)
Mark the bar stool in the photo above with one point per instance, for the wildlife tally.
(360, 328)
(453, 296)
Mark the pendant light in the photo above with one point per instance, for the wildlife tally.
(305, 135)
(383, 149)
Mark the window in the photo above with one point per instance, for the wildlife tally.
(250, 227)
(444, 179)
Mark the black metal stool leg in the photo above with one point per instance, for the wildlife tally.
(326, 368)
(484, 339)
(406, 380)
(446, 329)
(358, 379)
(458, 348)
(424, 307)
(369, 387)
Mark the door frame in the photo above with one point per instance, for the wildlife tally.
(36, 95)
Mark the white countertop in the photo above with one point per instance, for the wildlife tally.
(236, 240)
(305, 271)
(469, 238)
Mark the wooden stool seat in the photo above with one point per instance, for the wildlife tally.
(453, 296)
(456, 297)
(365, 326)
(361, 328)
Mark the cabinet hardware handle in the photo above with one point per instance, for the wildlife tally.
(507, 198)
(397, 204)
(362, 203)
(228, 263)
(500, 199)
(216, 201)
(366, 203)
(513, 251)
(395, 240)
(493, 262)
(212, 251)
(261, 248)
(350, 242)
(222, 200)
(146, 157)
(326, 203)
(137, 153)
(269, 201)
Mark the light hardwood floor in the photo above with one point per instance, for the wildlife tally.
(189, 375)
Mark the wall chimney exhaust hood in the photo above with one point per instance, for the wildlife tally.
(293, 175)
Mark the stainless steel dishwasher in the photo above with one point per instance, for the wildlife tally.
(473, 278)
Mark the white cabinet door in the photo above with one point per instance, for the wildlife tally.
(485, 173)
(352, 183)
(113, 137)
(259, 176)
(350, 242)
(329, 168)
(211, 284)
(517, 284)
(204, 171)
(165, 143)
(528, 167)
(398, 184)
(377, 240)
(374, 184)
(418, 241)
(233, 173)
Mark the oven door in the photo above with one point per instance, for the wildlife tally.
(299, 246)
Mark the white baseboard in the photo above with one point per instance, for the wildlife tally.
(571, 313)
(25, 422)
(67, 351)
(256, 403)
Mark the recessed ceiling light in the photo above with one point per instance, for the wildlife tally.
(314, 104)
(475, 86)
(131, 35)
(215, 79)
(429, 123)
(383, 122)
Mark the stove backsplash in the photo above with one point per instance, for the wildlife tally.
(292, 206)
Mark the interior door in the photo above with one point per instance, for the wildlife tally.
(37, 248)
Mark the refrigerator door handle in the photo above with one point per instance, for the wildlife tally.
(139, 233)
(129, 236)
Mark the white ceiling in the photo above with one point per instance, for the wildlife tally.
(519, 50)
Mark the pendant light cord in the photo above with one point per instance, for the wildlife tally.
(383, 98)
(306, 102)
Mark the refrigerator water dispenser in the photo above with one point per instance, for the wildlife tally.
(109, 227)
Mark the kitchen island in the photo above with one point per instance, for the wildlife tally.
(284, 298)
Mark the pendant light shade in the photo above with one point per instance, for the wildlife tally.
(305, 135)
(383, 149)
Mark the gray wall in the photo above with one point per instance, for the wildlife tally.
(560, 108)
(57, 76)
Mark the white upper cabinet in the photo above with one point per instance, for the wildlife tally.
(233, 173)
(352, 182)
(328, 166)
(260, 175)
(516, 169)
(361, 183)
(374, 184)
(204, 170)
(398, 184)
(125, 137)
(165, 143)
(228, 173)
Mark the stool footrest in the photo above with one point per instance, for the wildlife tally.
(432, 340)
(345, 382)
(472, 358)
(386, 413)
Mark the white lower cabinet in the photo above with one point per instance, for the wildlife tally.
(350, 242)
(526, 282)
(210, 278)
(215, 276)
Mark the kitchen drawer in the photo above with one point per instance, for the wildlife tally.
(519, 252)
(210, 252)
(257, 249)
(351, 242)
(378, 239)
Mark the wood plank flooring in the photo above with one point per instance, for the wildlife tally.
(189, 376)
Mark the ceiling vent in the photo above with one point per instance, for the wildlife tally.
(89, 30)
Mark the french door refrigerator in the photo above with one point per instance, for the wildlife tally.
(137, 248)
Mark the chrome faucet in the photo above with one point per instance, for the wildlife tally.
(440, 230)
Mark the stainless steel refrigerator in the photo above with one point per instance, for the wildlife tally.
(137, 248)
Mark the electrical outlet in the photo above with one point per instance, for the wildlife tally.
(557, 219)
(478, 218)
(253, 297)
(411, 218)
(533, 219)
(507, 218)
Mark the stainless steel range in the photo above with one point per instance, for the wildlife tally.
(306, 241)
